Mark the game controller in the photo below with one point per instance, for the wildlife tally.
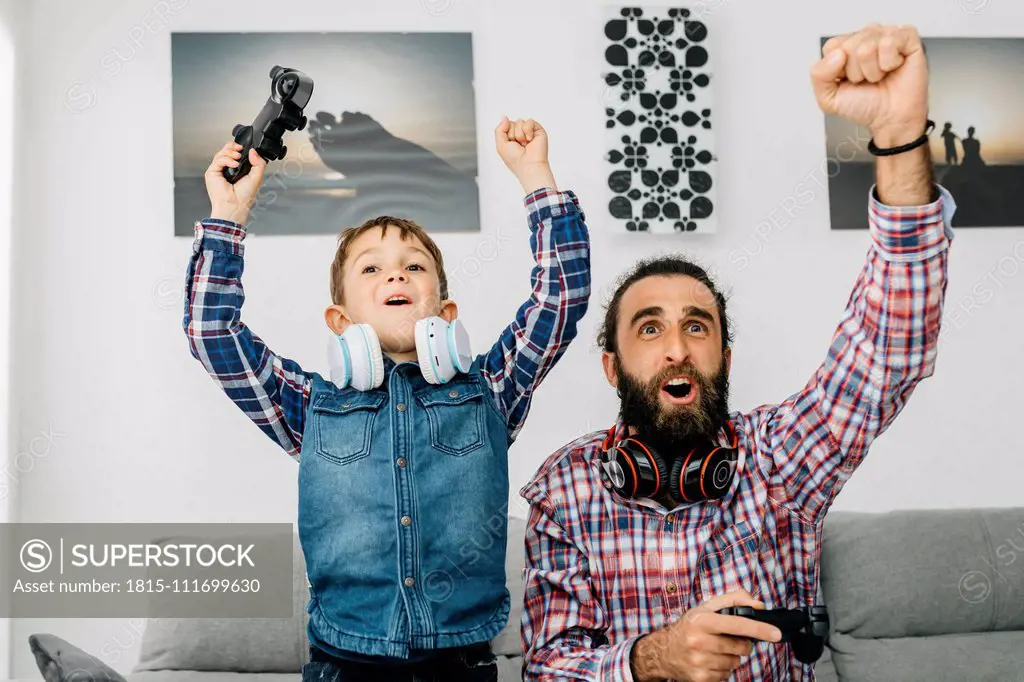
(290, 91)
(806, 630)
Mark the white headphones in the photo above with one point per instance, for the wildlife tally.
(355, 358)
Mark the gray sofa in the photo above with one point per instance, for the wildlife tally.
(914, 596)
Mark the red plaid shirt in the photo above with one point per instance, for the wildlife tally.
(602, 571)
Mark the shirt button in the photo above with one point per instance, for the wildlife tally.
(406, 521)
(400, 407)
(670, 588)
(409, 582)
(401, 462)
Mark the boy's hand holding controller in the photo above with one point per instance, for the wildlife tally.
(227, 201)
(523, 146)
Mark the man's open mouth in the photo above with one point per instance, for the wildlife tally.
(679, 390)
(398, 299)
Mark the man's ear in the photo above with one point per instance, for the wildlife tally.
(608, 363)
(449, 311)
(727, 357)
(337, 320)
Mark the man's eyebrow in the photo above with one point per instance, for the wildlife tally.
(657, 311)
(649, 311)
(697, 311)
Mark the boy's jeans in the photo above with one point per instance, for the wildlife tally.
(465, 664)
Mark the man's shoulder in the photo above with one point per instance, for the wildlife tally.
(575, 465)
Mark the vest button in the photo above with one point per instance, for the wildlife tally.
(346, 404)
(453, 394)
(409, 582)
(400, 407)
(401, 462)
(406, 521)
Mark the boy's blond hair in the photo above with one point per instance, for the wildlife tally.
(406, 228)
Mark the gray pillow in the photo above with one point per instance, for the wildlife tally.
(281, 644)
(247, 645)
(60, 661)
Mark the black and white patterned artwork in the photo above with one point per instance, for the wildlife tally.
(658, 106)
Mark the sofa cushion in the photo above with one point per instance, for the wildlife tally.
(250, 645)
(210, 676)
(280, 645)
(978, 657)
(923, 572)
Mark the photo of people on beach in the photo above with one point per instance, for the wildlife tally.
(977, 105)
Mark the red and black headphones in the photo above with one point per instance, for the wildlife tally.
(637, 470)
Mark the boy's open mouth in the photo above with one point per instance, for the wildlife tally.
(398, 299)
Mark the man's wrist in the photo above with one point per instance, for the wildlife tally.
(645, 659)
(897, 135)
(534, 178)
(906, 178)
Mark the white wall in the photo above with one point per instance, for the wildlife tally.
(14, 22)
(143, 435)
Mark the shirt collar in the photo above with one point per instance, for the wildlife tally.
(618, 431)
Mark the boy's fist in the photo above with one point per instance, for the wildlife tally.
(227, 201)
(523, 146)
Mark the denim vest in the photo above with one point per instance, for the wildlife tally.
(403, 496)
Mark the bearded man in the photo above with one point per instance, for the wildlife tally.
(639, 535)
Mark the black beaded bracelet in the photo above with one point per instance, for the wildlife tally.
(876, 151)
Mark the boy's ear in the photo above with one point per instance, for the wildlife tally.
(449, 311)
(337, 320)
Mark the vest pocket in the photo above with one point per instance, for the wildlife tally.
(344, 425)
(455, 413)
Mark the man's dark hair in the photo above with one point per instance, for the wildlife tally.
(653, 267)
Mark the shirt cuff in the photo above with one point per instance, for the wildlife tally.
(911, 233)
(218, 235)
(546, 203)
(615, 665)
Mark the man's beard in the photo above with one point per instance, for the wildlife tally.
(672, 427)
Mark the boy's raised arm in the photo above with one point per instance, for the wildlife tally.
(272, 391)
(547, 321)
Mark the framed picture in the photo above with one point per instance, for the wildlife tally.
(660, 142)
(391, 127)
(975, 100)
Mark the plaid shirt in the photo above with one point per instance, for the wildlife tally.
(273, 391)
(602, 571)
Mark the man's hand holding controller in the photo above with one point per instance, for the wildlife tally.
(233, 201)
(703, 645)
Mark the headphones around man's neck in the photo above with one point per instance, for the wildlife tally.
(355, 357)
(637, 470)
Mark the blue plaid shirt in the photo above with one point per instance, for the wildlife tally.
(273, 391)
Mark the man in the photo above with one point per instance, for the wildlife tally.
(621, 587)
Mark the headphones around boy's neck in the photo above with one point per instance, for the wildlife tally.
(355, 357)
(636, 469)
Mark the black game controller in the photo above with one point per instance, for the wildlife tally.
(806, 629)
(290, 91)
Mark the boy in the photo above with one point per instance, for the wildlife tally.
(403, 487)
